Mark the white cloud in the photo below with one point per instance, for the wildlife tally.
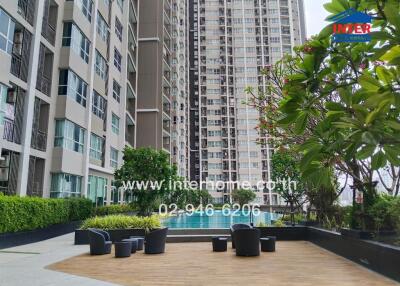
(315, 16)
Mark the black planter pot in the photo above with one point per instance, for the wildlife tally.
(309, 223)
(31, 236)
(82, 237)
(285, 233)
(357, 234)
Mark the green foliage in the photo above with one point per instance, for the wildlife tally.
(394, 211)
(279, 223)
(297, 218)
(243, 196)
(383, 213)
(112, 209)
(28, 213)
(146, 165)
(122, 222)
(338, 105)
(262, 224)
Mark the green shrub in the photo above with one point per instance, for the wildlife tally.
(113, 209)
(28, 213)
(383, 212)
(279, 223)
(394, 212)
(122, 222)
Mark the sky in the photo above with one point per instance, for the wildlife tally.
(315, 16)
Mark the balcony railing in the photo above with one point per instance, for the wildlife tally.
(49, 32)
(26, 8)
(43, 84)
(39, 140)
(10, 132)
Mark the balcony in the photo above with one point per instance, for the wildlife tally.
(49, 23)
(26, 8)
(40, 125)
(11, 132)
(45, 70)
(20, 52)
(35, 177)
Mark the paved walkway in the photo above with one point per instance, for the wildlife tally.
(25, 265)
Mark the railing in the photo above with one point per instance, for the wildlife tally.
(44, 84)
(49, 32)
(26, 8)
(39, 140)
(16, 62)
(10, 131)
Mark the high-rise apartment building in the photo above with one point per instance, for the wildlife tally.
(163, 79)
(230, 42)
(68, 95)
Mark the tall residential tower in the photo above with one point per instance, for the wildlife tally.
(230, 42)
(67, 95)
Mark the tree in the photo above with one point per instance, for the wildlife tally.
(149, 166)
(337, 104)
(243, 196)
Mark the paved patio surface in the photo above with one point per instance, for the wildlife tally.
(294, 263)
(25, 265)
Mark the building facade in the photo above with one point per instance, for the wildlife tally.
(230, 42)
(162, 113)
(68, 95)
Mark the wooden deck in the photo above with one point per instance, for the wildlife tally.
(294, 263)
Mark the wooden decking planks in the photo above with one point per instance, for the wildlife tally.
(294, 263)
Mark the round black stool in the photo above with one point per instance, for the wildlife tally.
(140, 240)
(220, 244)
(134, 242)
(268, 243)
(123, 249)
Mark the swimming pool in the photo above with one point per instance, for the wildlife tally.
(217, 220)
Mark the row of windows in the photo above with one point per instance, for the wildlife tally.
(71, 136)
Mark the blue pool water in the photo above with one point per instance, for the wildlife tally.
(217, 220)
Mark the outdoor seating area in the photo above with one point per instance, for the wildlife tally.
(101, 244)
(196, 264)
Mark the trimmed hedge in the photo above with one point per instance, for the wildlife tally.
(113, 209)
(28, 213)
(122, 222)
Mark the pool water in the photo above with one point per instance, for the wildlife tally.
(217, 220)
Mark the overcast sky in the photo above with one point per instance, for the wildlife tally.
(315, 16)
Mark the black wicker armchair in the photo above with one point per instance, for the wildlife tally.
(154, 241)
(99, 242)
(247, 242)
(236, 227)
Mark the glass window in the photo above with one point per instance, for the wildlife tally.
(74, 38)
(101, 66)
(120, 4)
(102, 28)
(69, 136)
(7, 27)
(3, 96)
(116, 91)
(65, 185)
(118, 29)
(97, 189)
(73, 86)
(96, 147)
(99, 105)
(115, 124)
(114, 158)
(86, 8)
(117, 59)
